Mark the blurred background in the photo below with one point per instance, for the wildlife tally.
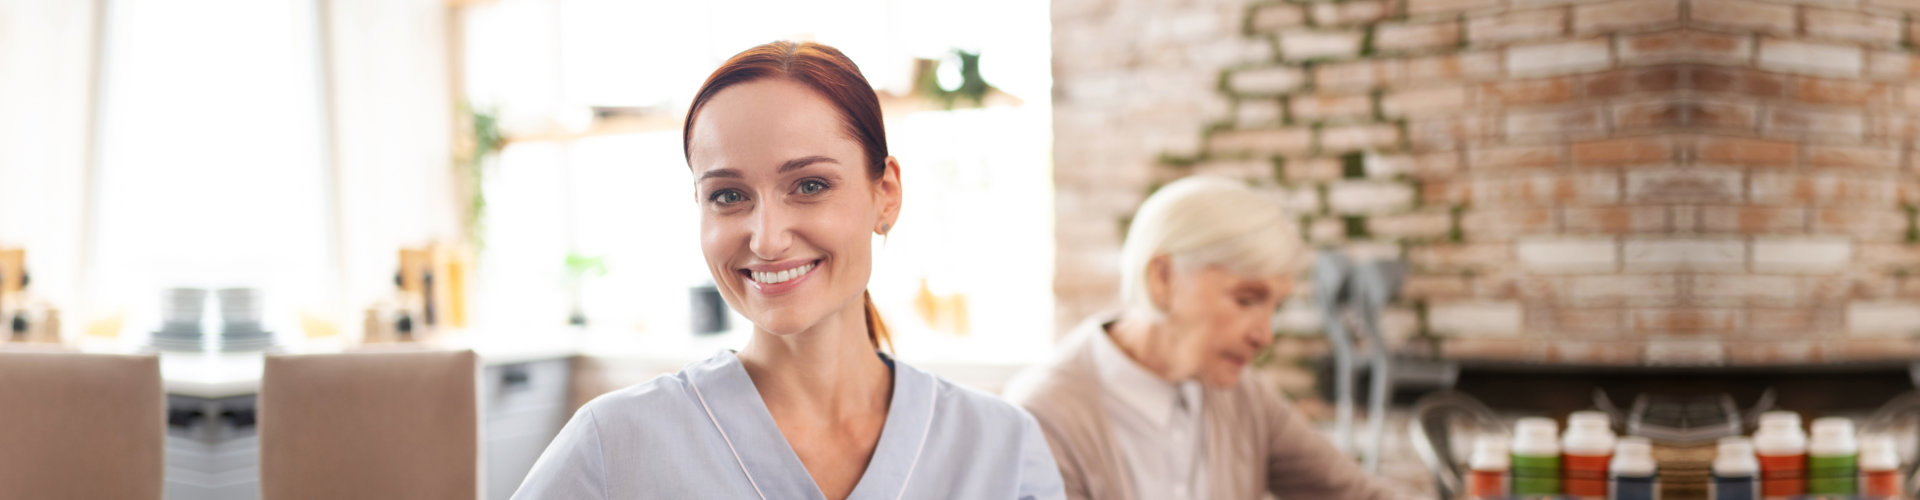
(1680, 213)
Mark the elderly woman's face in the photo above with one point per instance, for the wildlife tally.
(1223, 320)
(787, 210)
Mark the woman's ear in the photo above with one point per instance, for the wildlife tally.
(887, 193)
(1160, 282)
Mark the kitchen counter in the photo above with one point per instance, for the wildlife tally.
(227, 374)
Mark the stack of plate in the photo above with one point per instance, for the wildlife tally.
(240, 321)
(181, 310)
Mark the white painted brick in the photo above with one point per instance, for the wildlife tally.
(1182, 27)
(1326, 230)
(1298, 200)
(1424, 224)
(1516, 25)
(1618, 289)
(1348, 13)
(1359, 137)
(1363, 251)
(1475, 319)
(1436, 100)
(1369, 197)
(1774, 289)
(1235, 169)
(1557, 58)
(1277, 16)
(1683, 185)
(1398, 324)
(1299, 316)
(1421, 166)
(1685, 352)
(1883, 319)
(1270, 80)
(1258, 113)
(1822, 59)
(1685, 254)
(1801, 255)
(1301, 45)
(1568, 255)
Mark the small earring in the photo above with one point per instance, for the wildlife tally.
(884, 228)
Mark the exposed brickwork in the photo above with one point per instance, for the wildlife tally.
(1611, 181)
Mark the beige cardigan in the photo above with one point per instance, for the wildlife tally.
(1257, 442)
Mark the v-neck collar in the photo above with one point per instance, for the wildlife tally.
(770, 461)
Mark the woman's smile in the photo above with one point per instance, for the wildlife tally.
(779, 278)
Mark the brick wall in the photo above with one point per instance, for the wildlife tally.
(1604, 181)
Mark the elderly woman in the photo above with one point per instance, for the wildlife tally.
(1153, 401)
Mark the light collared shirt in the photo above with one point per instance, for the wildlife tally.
(1157, 425)
(705, 433)
(1257, 444)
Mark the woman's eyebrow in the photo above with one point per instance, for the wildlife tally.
(803, 161)
(789, 165)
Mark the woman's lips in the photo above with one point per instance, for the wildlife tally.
(779, 279)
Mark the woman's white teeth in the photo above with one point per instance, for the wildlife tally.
(780, 276)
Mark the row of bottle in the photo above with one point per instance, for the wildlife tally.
(1589, 461)
(1781, 462)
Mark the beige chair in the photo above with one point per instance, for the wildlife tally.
(370, 425)
(81, 426)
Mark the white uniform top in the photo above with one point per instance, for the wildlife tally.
(703, 432)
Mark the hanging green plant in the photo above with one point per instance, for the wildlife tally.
(970, 85)
(483, 135)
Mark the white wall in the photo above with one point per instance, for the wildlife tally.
(393, 112)
(46, 51)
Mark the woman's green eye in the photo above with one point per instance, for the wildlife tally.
(727, 197)
(812, 187)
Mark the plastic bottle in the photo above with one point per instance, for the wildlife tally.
(1489, 479)
(1585, 452)
(1879, 468)
(1536, 457)
(1781, 446)
(1632, 474)
(1736, 473)
(1833, 458)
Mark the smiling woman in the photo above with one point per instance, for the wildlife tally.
(819, 87)
(793, 181)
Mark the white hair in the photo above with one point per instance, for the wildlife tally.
(1206, 221)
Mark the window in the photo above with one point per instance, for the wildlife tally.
(210, 157)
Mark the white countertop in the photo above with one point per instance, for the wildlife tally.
(226, 374)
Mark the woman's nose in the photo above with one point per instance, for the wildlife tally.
(1262, 334)
(771, 231)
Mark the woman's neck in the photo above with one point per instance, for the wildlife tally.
(829, 371)
(1148, 342)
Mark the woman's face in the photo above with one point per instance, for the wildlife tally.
(787, 209)
(1221, 321)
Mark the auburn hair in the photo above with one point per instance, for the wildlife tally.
(828, 72)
